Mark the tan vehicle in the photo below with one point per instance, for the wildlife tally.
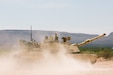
(52, 43)
(54, 46)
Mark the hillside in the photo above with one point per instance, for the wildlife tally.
(11, 37)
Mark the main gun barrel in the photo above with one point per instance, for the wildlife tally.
(90, 40)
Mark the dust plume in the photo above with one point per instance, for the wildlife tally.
(42, 63)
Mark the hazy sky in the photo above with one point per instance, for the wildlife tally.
(77, 16)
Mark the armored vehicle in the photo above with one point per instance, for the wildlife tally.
(53, 45)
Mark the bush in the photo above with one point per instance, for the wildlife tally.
(105, 53)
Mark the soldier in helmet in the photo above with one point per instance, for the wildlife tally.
(56, 37)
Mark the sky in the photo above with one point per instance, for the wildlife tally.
(75, 16)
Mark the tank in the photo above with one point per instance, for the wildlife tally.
(53, 45)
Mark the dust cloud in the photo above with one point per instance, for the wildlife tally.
(48, 64)
(28, 63)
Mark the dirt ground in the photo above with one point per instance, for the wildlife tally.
(62, 68)
(54, 65)
(99, 68)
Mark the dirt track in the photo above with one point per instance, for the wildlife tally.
(65, 66)
(54, 65)
(99, 68)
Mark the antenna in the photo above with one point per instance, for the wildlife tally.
(31, 38)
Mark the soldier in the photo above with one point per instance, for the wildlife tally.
(46, 39)
(56, 37)
(64, 39)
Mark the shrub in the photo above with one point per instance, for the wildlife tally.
(105, 53)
